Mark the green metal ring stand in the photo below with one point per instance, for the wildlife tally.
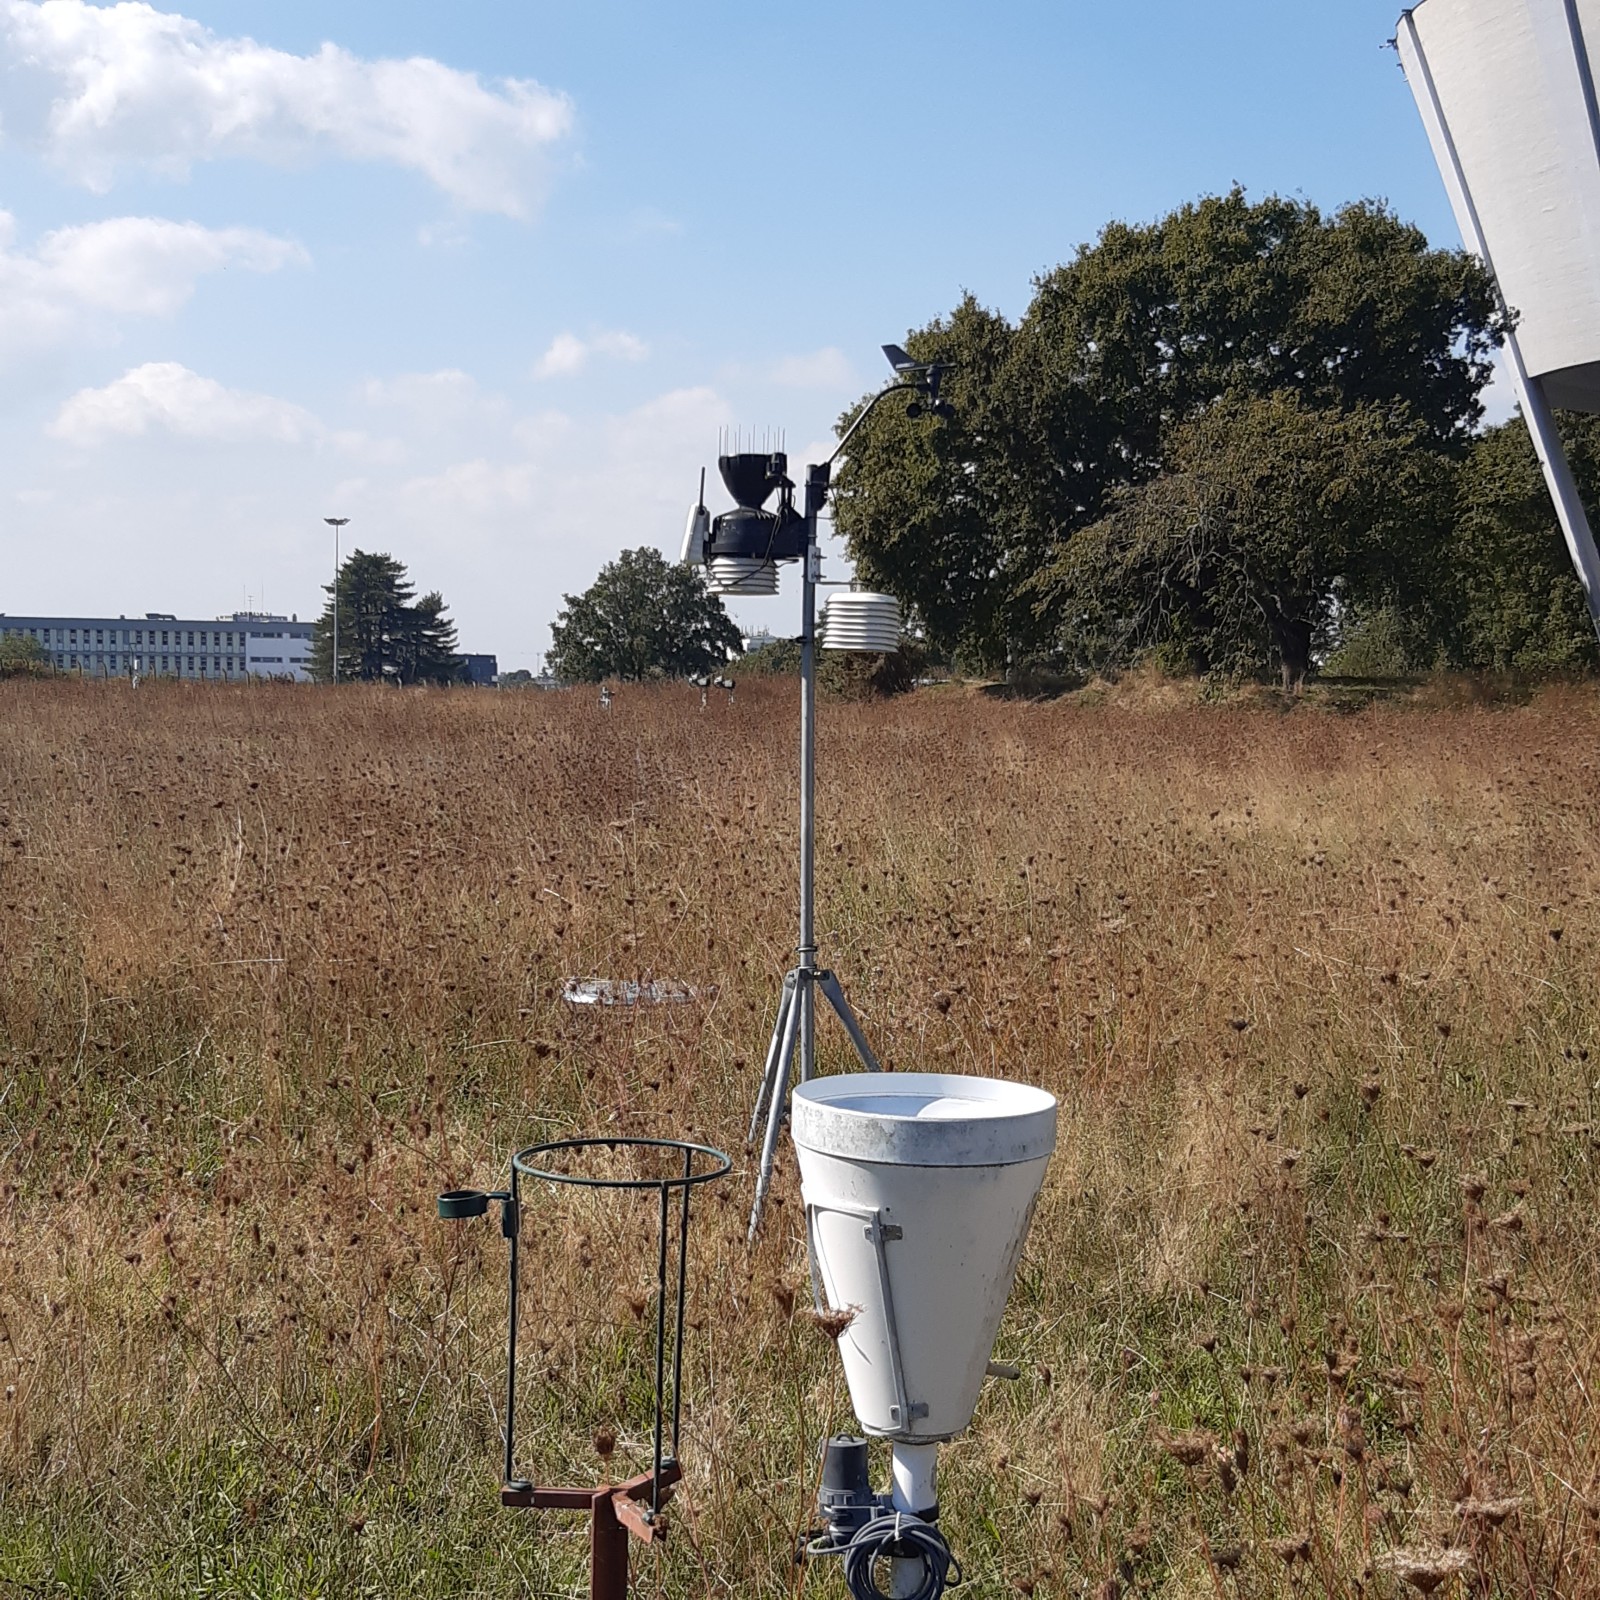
(632, 1508)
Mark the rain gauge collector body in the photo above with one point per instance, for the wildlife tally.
(918, 1191)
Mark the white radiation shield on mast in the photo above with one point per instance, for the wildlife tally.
(855, 620)
(737, 575)
(1507, 93)
(918, 1189)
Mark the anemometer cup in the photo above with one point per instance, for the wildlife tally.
(456, 1204)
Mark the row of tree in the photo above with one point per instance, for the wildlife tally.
(1244, 438)
(641, 618)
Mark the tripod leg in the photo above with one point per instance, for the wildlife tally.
(775, 1112)
(841, 1008)
(769, 1071)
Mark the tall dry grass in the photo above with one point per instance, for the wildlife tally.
(1308, 1307)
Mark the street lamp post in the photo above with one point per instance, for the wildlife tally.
(336, 523)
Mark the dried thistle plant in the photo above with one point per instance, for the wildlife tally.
(279, 967)
(829, 1323)
(1425, 1568)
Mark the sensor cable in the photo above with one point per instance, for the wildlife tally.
(895, 1535)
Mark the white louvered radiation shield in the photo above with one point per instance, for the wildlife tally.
(853, 620)
(738, 575)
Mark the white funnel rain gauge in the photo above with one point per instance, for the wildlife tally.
(918, 1191)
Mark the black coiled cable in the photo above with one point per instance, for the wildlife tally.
(896, 1534)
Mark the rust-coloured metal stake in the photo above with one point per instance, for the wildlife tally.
(608, 1552)
(615, 1513)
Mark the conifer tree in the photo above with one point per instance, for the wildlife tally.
(385, 635)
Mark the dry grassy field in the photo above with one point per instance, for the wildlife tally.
(1308, 1307)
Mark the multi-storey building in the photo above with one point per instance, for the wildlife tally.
(244, 645)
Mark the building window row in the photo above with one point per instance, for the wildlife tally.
(132, 663)
(134, 638)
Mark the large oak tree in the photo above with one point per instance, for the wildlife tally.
(1120, 350)
(1272, 516)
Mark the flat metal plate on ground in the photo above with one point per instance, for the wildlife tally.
(630, 992)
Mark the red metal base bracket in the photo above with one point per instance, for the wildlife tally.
(615, 1511)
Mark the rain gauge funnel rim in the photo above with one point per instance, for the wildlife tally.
(924, 1119)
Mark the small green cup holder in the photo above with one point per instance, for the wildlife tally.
(457, 1203)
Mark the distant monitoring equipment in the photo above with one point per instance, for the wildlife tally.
(741, 549)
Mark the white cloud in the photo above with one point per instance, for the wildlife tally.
(432, 396)
(165, 397)
(111, 87)
(828, 368)
(686, 414)
(129, 266)
(372, 450)
(569, 354)
(619, 345)
(473, 489)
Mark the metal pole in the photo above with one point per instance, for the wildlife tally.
(775, 1115)
(808, 778)
(1536, 411)
(608, 1551)
(1558, 479)
(683, 1279)
(797, 1008)
(661, 1349)
(511, 1227)
(775, 1075)
(336, 523)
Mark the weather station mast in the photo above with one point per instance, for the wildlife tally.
(741, 550)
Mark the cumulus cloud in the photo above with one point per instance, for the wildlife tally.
(569, 354)
(128, 266)
(166, 397)
(433, 397)
(474, 488)
(828, 368)
(103, 88)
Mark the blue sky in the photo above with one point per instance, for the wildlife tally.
(488, 278)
